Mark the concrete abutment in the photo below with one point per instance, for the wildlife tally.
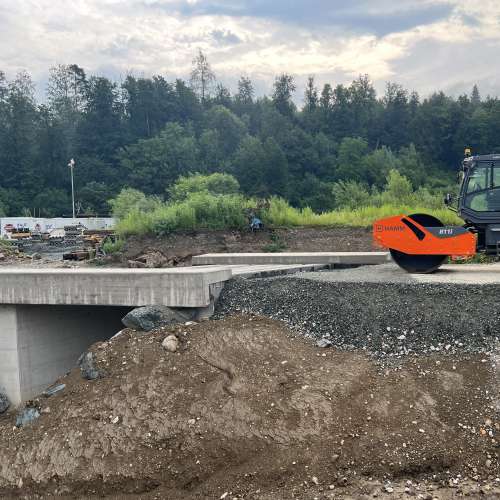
(39, 343)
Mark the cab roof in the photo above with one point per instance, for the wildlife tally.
(493, 157)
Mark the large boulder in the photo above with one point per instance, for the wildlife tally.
(88, 366)
(4, 403)
(150, 317)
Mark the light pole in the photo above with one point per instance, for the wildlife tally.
(71, 166)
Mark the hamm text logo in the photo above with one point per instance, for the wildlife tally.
(380, 228)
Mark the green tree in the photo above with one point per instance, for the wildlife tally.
(284, 88)
(350, 164)
(202, 76)
(154, 164)
(249, 167)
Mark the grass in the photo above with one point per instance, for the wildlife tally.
(206, 211)
(111, 247)
(281, 214)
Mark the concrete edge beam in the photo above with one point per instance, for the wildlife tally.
(180, 287)
(341, 258)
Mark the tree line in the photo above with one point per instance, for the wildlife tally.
(145, 133)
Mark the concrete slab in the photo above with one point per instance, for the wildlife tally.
(179, 287)
(269, 270)
(339, 258)
(472, 274)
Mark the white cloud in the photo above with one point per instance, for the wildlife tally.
(119, 36)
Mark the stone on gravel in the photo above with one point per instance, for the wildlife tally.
(171, 343)
(27, 416)
(88, 367)
(323, 343)
(150, 317)
(4, 403)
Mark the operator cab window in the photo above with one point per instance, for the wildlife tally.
(483, 187)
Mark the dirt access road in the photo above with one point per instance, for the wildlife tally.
(246, 410)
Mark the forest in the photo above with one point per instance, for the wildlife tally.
(147, 133)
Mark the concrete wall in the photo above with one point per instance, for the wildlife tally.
(38, 344)
(47, 225)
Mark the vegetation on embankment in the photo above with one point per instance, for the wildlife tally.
(215, 202)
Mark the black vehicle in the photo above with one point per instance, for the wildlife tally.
(478, 203)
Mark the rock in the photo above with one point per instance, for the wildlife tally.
(150, 317)
(323, 343)
(27, 416)
(135, 264)
(2, 256)
(88, 368)
(36, 256)
(54, 390)
(153, 259)
(170, 343)
(4, 403)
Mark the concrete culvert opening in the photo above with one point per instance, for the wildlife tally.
(42, 343)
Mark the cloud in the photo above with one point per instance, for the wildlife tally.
(225, 37)
(424, 44)
(357, 16)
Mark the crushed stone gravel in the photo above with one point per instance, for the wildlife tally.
(385, 319)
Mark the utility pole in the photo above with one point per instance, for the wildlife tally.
(71, 166)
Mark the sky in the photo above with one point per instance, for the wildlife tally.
(425, 45)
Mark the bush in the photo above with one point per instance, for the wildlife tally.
(199, 211)
(215, 184)
(111, 247)
(350, 195)
(131, 200)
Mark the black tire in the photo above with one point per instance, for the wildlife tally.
(420, 264)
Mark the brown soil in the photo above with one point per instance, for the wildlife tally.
(245, 410)
(178, 248)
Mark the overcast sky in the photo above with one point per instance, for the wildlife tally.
(423, 44)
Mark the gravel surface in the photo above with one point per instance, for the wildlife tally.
(386, 319)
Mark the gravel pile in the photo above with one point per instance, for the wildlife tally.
(385, 319)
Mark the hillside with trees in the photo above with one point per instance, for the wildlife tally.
(146, 133)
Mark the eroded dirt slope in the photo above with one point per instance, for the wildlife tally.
(178, 248)
(247, 411)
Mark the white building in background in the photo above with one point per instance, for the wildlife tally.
(48, 225)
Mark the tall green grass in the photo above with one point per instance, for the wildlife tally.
(281, 214)
(228, 212)
(199, 211)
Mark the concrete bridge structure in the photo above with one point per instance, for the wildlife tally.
(48, 317)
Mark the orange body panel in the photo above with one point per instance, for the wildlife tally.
(392, 233)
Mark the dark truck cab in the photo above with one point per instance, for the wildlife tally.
(479, 200)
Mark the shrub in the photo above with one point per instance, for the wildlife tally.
(215, 184)
(132, 200)
(350, 195)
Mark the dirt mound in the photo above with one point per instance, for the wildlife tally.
(178, 248)
(245, 410)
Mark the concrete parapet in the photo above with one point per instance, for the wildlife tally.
(332, 258)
